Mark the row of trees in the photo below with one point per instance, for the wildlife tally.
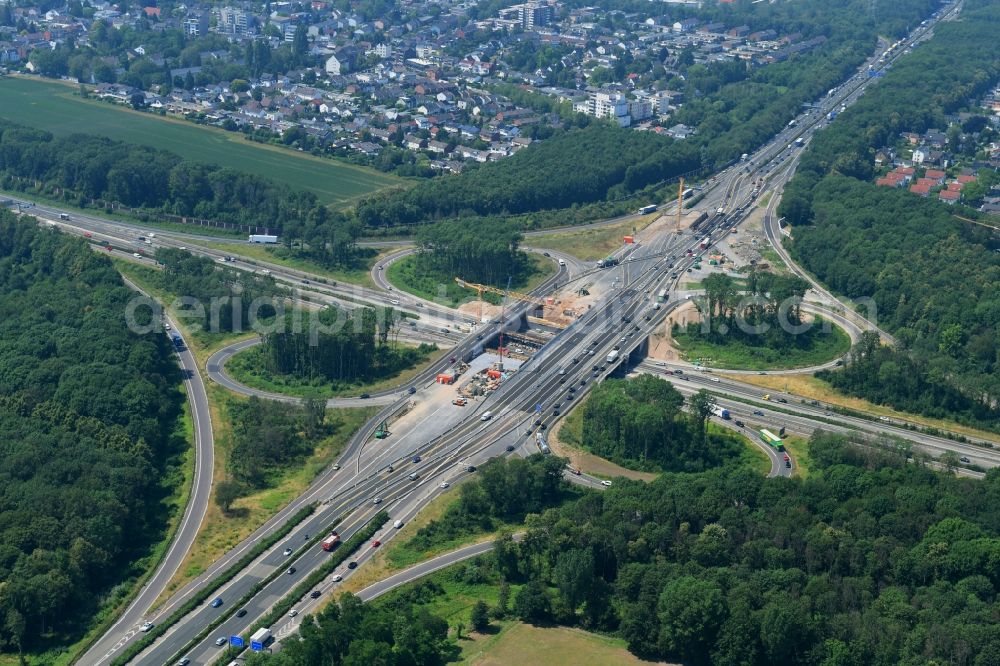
(638, 423)
(933, 278)
(870, 560)
(80, 168)
(91, 167)
(88, 443)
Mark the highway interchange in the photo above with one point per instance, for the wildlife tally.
(524, 403)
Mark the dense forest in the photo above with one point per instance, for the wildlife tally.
(88, 450)
(574, 167)
(933, 278)
(638, 423)
(338, 346)
(871, 560)
(474, 251)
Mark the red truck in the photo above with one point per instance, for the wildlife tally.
(331, 541)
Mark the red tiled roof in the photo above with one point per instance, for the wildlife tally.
(949, 195)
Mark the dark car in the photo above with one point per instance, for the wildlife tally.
(352, 565)
(562, 380)
(416, 459)
(538, 422)
(411, 390)
(788, 463)
(365, 396)
(782, 400)
(542, 427)
(315, 594)
(241, 612)
(470, 468)
(757, 412)
(510, 447)
(740, 424)
(290, 571)
(216, 602)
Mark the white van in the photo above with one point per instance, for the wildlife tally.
(562, 262)
(486, 416)
(398, 524)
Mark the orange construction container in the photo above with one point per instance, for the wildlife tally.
(493, 374)
(629, 240)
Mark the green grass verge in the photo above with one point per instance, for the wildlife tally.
(513, 642)
(737, 355)
(406, 554)
(591, 244)
(247, 367)
(798, 450)
(59, 109)
(209, 589)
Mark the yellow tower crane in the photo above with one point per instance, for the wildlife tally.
(485, 288)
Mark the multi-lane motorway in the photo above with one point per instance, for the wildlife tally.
(531, 398)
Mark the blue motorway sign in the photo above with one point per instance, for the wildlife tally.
(236, 641)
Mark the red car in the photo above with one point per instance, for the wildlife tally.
(376, 543)
(786, 458)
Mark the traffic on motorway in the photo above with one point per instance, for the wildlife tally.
(521, 410)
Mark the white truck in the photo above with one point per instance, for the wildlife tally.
(613, 356)
(260, 639)
(263, 238)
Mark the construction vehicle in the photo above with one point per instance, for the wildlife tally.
(460, 402)
(382, 431)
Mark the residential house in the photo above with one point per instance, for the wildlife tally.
(949, 197)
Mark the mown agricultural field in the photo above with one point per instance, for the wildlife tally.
(59, 109)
